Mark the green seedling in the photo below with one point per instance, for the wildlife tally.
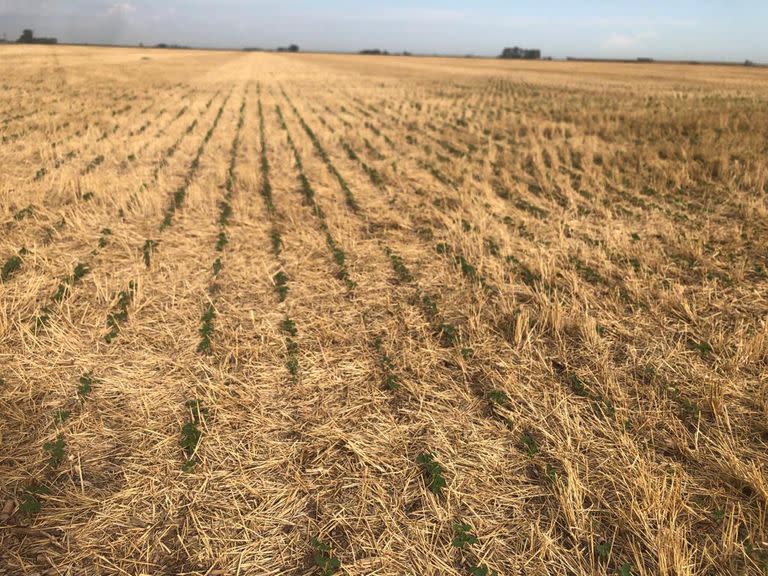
(351, 154)
(120, 312)
(64, 286)
(86, 385)
(217, 266)
(429, 307)
(23, 213)
(604, 407)
(93, 164)
(449, 335)
(528, 444)
(433, 472)
(625, 570)
(482, 570)
(61, 416)
(535, 211)
(289, 327)
(463, 535)
(61, 291)
(206, 329)
(387, 366)
(225, 213)
(401, 270)
(498, 398)
(323, 559)
(703, 348)
(281, 285)
(467, 353)
(30, 503)
(191, 433)
(577, 385)
(277, 242)
(148, 250)
(493, 247)
(221, 241)
(338, 254)
(105, 233)
(587, 272)
(468, 269)
(266, 187)
(292, 364)
(55, 450)
(42, 319)
(603, 550)
(373, 175)
(79, 272)
(11, 266)
(552, 473)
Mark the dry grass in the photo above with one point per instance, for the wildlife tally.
(315, 270)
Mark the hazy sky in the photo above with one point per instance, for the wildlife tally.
(685, 29)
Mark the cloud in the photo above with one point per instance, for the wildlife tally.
(121, 9)
(627, 40)
(407, 14)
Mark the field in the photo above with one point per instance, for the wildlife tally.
(319, 314)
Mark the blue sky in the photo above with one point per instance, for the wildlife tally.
(681, 29)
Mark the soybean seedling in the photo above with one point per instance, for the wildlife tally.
(625, 570)
(55, 450)
(191, 434)
(603, 550)
(323, 559)
(30, 503)
(86, 385)
(206, 330)
(148, 250)
(281, 285)
(463, 536)
(482, 570)
(528, 444)
(289, 327)
(433, 472)
(11, 266)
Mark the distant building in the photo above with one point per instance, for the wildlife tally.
(28, 37)
(518, 53)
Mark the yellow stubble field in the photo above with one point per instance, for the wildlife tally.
(325, 314)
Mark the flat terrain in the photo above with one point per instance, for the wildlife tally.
(308, 314)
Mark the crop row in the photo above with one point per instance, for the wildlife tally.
(192, 431)
(433, 471)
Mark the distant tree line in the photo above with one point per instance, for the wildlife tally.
(171, 46)
(28, 37)
(291, 48)
(378, 52)
(518, 53)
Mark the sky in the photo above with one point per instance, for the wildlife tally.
(673, 29)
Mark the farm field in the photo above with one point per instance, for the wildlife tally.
(325, 314)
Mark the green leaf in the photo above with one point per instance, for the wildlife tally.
(463, 536)
(625, 570)
(56, 451)
(86, 385)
